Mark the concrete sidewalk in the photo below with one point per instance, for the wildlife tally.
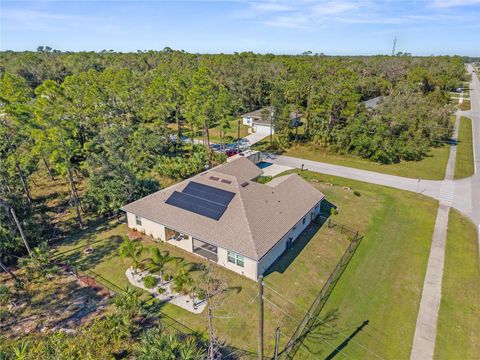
(426, 328)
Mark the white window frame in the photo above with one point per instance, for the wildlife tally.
(234, 258)
(138, 220)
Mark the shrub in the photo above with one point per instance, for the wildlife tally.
(357, 193)
(264, 179)
(5, 295)
(150, 281)
(333, 211)
(201, 295)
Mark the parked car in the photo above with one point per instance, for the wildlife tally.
(231, 152)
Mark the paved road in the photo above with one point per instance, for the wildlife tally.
(430, 188)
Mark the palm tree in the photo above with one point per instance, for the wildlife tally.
(129, 303)
(158, 261)
(155, 344)
(132, 249)
(184, 284)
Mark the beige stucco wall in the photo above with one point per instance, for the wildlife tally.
(250, 266)
(185, 244)
(274, 253)
(153, 229)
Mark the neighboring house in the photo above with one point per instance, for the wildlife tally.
(373, 103)
(262, 125)
(224, 215)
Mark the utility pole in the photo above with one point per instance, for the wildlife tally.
(277, 338)
(238, 136)
(260, 322)
(271, 125)
(211, 347)
(394, 45)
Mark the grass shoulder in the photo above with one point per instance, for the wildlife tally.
(431, 167)
(465, 105)
(464, 162)
(459, 320)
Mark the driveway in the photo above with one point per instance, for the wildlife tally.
(255, 137)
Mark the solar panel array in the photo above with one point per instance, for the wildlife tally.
(202, 199)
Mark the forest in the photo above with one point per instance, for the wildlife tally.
(108, 125)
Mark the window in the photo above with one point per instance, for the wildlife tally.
(138, 220)
(234, 258)
(303, 221)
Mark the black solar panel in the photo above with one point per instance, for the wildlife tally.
(209, 193)
(197, 205)
(202, 199)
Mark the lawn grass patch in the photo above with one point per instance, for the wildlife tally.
(383, 282)
(431, 167)
(464, 165)
(459, 317)
(230, 134)
(465, 105)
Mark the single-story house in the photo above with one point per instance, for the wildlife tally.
(223, 215)
(256, 120)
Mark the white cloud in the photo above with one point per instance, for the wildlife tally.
(307, 14)
(33, 15)
(454, 3)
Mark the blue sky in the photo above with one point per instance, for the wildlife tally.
(423, 27)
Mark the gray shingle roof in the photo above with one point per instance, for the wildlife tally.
(258, 216)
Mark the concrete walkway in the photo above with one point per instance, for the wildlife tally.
(426, 328)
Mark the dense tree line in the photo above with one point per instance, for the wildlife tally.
(116, 119)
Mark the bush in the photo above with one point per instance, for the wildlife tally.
(5, 295)
(333, 211)
(357, 193)
(264, 179)
(150, 281)
(201, 295)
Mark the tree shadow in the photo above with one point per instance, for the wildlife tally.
(318, 329)
(340, 347)
(101, 250)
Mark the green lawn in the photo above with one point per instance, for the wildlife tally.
(383, 282)
(432, 167)
(464, 166)
(458, 334)
(230, 134)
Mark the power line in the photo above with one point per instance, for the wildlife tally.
(325, 323)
